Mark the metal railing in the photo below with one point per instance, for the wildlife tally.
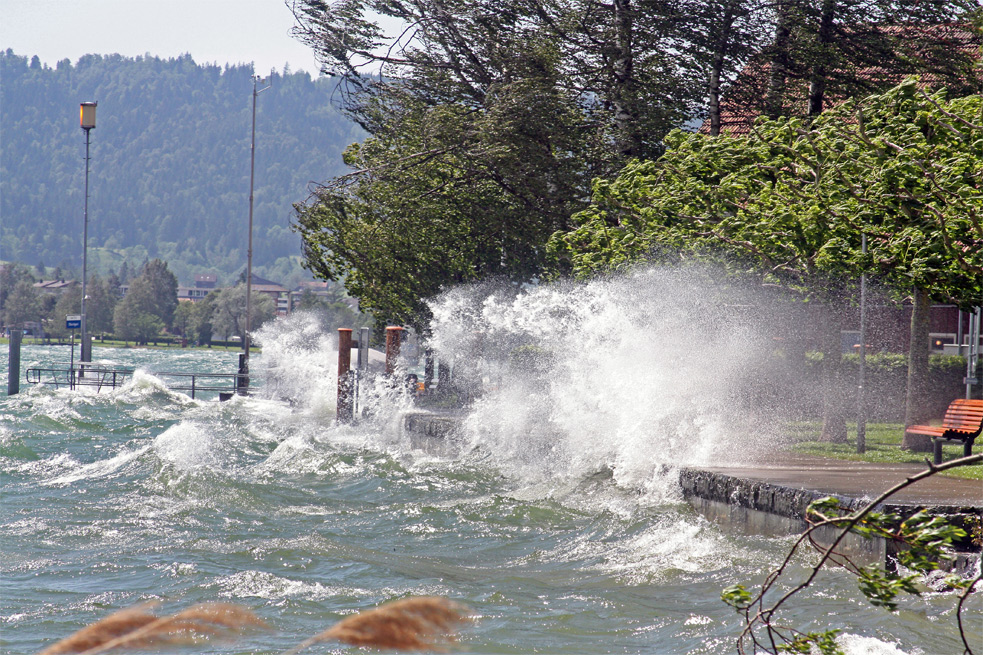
(82, 375)
(204, 382)
(88, 375)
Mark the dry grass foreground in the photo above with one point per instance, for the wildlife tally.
(411, 624)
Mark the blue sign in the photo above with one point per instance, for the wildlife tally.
(73, 322)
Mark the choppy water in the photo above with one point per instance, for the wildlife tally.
(579, 544)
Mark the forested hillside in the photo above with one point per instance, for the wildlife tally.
(169, 174)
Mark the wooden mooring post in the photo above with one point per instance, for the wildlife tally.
(13, 362)
(394, 337)
(346, 387)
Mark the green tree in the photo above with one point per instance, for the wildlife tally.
(22, 304)
(100, 305)
(789, 203)
(154, 291)
(229, 311)
(194, 319)
(486, 127)
(132, 324)
(149, 304)
(68, 303)
(335, 310)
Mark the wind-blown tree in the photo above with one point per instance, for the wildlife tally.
(100, 305)
(424, 216)
(789, 203)
(21, 303)
(98, 308)
(229, 311)
(487, 123)
(149, 304)
(915, 169)
(194, 319)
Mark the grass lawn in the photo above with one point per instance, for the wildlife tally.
(110, 343)
(883, 446)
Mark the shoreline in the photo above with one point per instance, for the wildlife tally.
(124, 345)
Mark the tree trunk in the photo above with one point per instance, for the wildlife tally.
(834, 408)
(716, 68)
(775, 99)
(623, 96)
(916, 399)
(817, 77)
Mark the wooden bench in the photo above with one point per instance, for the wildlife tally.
(963, 422)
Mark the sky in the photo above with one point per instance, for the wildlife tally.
(211, 31)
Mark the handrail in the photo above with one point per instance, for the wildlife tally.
(88, 375)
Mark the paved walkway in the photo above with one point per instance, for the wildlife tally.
(858, 480)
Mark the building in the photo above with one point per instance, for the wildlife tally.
(741, 104)
(55, 286)
(204, 284)
(279, 294)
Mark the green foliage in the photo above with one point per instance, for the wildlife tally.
(229, 311)
(170, 162)
(193, 320)
(811, 642)
(486, 129)
(22, 304)
(421, 212)
(790, 201)
(927, 537)
(924, 541)
(149, 304)
(737, 596)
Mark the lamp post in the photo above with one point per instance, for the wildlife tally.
(87, 121)
(244, 365)
(862, 369)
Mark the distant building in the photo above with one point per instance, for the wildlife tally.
(55, 286)
(279, 294)
(205, 281)
(192, 294)
(318, 288)
(740, 104)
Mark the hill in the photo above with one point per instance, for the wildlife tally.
(169, 174)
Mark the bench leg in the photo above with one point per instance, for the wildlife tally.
(968, 447)
(937, 451)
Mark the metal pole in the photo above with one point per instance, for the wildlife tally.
(249, 250)
(85, 357)
(973, 352)
(959, 333)
(862, 370)
(364, 336)
(71, 365)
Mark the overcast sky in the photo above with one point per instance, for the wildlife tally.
(212, 31)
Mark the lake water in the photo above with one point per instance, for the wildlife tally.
(575, 543)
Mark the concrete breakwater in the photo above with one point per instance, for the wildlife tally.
(770, 498)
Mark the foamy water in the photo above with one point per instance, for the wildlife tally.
(558, 519)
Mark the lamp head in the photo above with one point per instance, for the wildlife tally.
(87, 115)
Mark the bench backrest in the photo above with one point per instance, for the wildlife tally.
(964, 415)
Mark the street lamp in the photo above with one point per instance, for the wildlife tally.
(244, 363)
(87, 121)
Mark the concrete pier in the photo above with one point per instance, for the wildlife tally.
(771, 498)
